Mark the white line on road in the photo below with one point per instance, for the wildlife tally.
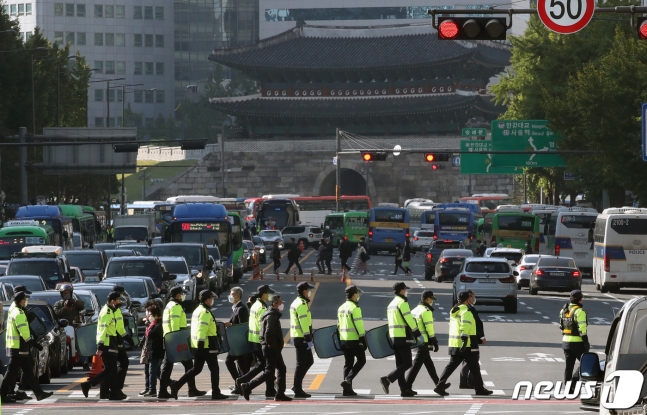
(522, 303)
(530, 308)
(537, 312)
(474, 409)
(615, 298)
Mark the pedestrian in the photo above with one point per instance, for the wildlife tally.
(327, 254)
(467, 378)
(351, 338)
(320, 260)
(482, 248)
(398, 259)
(276, 257)
(174, 319)
(406, 256)
(528, 248)
(574, 327)
(293, 257)
(462, 333)
(424, 317)
(327, 233)
(402, 331)
(70, 309)
(107, 349)
(345, 252)
(271, 338)
(18, 342)
(153, 348)
(256, 312)
(247, 235)
(122, 356)
(301, 333)
(237, 365)
(362, 265)
(206, 343)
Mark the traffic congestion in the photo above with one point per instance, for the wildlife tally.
(237, 284)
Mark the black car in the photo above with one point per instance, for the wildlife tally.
(32, 282)
(56, 338)
(137, 266)
(552, 273)
(111, 253)
(450, 263)
(104, 246)
(434, 252)
(92, 262)
(141, 249)
(50, 268)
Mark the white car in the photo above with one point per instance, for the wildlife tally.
(512, 255)
(488, 251)
(491, 280)
(269, 237)
(421, 240)
(309, 235)
(524, 269)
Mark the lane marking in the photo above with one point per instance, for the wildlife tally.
(316, 383)
(615, 298)
(72, 385)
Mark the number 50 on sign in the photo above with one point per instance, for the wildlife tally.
(565, 16)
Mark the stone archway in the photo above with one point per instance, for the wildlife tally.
(352, 182)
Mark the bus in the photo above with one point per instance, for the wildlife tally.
(388, 226)
(50, 216)
(488, 202)
(454, 224)
(236, 244)
(314, 209)
(427, 219)
(100, 222)
(82, 222)
(17, 234)
(417, 210)
(335, 222)
(547, 215)
(571, 236)
(513, 228)
(472, 207)
(484, 228)
(347, 225)
(620, 257)
(277, 214)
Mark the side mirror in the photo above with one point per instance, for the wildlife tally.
(63, 323)
(135, 304)
(590, 366)
(100, 275)
(89, 313)
(195, 272)
(590, 235)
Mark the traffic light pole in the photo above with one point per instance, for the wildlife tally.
(338, 169)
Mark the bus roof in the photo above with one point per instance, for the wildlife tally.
(280, 196)
(509, 208)
(356, 213)
(26, 222)
(192, 199)
(577, 209)
(39, 211)
(624, 210)
(335, 215)
(15, 230)
(199, 210)
(497, 195)
(72, 211)
(452, 209)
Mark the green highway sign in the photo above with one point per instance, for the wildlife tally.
(474, 132)
(524, 135)
(481, 163)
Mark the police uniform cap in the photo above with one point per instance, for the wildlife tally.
(20, 296)
(21, 289)
(352, 290)
(177, 290)
(205, 295)
(577, 295)
(119, 289)
(399, 286)
(428, 294)
(264, 289)
(114, 295)
(302, 286)
(463, 295)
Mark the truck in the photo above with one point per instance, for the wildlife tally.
(134, 227)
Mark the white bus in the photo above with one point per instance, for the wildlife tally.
(620, 250)
(547, 219)
(416, 210)
(572, 236)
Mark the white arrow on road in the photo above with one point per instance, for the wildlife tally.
(498, 318)
(600, 320)
(540, 354)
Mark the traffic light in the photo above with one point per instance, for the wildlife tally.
(125, 148)
(193, 144)
(433, 157)
(472, 28)
(381, 156)
(437, 167)
(642, 28)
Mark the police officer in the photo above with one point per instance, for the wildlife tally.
(424, 316)
(174, 319)
(122, 356)
(402, 331)
(466, 378)
(16, 290)
(19, 340)
(301, 333)
(352, 338)
(205, 342)
(107, 346)
(255, 314)
(462, 332)
(575, 339)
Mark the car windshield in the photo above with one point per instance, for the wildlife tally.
(457, 253)
(32, 284)
(258, 241)
(111, 253)
(85, 260)
(133, 268)
(101, 293)
(556, 262)
(424, 234)
(510, 256)
(488, 267)
(141, 249)
(528, 259)
(47, 270)
(269, 234)
(51, 297)
(214, 252)
(176, 267)
(249, 245)
(136, 289)
(192, 254)
(87, 299)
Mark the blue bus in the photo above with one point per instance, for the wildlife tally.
(454, 224)
(388, 226)
(47, 215)
(473, 207)
(206, 223)
(428, 219)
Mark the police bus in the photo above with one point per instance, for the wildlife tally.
(620, 249)
(572, 236)
(50, 216)
(388, 226)
(17, 234)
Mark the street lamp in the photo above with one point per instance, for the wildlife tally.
(123, 101)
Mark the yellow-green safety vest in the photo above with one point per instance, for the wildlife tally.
(119, 324)
(107, 327)
(573, 323)
(203, 326)
(399, 317)
(425, 320)
(300, 319)
(17, 328)
(349, 321)
(461, 325)
(174, 318)
(255, 314)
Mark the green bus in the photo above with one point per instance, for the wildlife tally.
(236, 244)
(100, 223)
(484, 227)
(349, 225)
(17, 234)
(82, 222)
(512, 229)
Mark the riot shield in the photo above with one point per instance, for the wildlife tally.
(131, 327)
(237, 340)
(326, 342)
(178, 345)
(222, 334)
(86, 339)
(379, 342)
(3, 346)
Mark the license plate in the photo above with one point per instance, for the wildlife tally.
(557, 274)
(636, 267)
(486, 281)
(388, 239)
(580, 255)
(457, 262)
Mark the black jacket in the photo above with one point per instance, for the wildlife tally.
(345, 249)
(480, 333)
(271, 332)
(326, 254)
(327, 233)
(482, 248)
(406, 255)
(295, 253)
(240, 314)
(155, 342)
(276, 252)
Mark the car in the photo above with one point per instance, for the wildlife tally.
(188, 278)
(6, 292)
(253, 255)
(247, 258)
(104, 245)
(140, 290)
(3, 269)
(259, 246)
(139, 266)
(32, 282)
(309, 235)
(50, 267)
(524, 269)
(56, 338)
(79, 276)
(219, 269)
(111, 253)
(512, 255)
(91, 261)
(552, 273)
(490, 279)
(157, 240)
(421, 240)
(92, 305)
(195, 254)
(450, 262)
(269, 237)
(432, 255)
(488, 251)
(141, 249)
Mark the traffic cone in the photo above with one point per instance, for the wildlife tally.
(97, 366)
(294, 274)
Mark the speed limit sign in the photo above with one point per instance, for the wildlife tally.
(565, 16)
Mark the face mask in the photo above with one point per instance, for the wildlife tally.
(117, 305)
(183, 297)
(281, 307)
(230, 298)
(26, 302)
(406, 293)
(474, 301)
(270, 297)
(66, 297)
(358, 297)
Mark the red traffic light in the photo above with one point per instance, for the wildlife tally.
(448, 29)
(472, 28)
(642, 28)
(378, 156)
(430, 157)
(367, 156)
(434, 167)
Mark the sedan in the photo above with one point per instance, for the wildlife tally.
(259, 246)
(92, 262)
(491, 280)
(140, 290)
(32, 282)
(525, 269)
(421, 240)
(253, 255)
(128, 308)
(141, 249)
(269, 237)
(450, 262)
(111, 253)
(555, 274)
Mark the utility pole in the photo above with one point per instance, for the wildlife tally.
(123, 196)
(222, 158)
(525, 196)
(338, 169)
(22, 162)
(33, 99)
(108, 121)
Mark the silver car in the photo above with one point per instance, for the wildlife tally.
(421, 240)
(269, 236)
(525, 269)
(177, 265)
(491, 280)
